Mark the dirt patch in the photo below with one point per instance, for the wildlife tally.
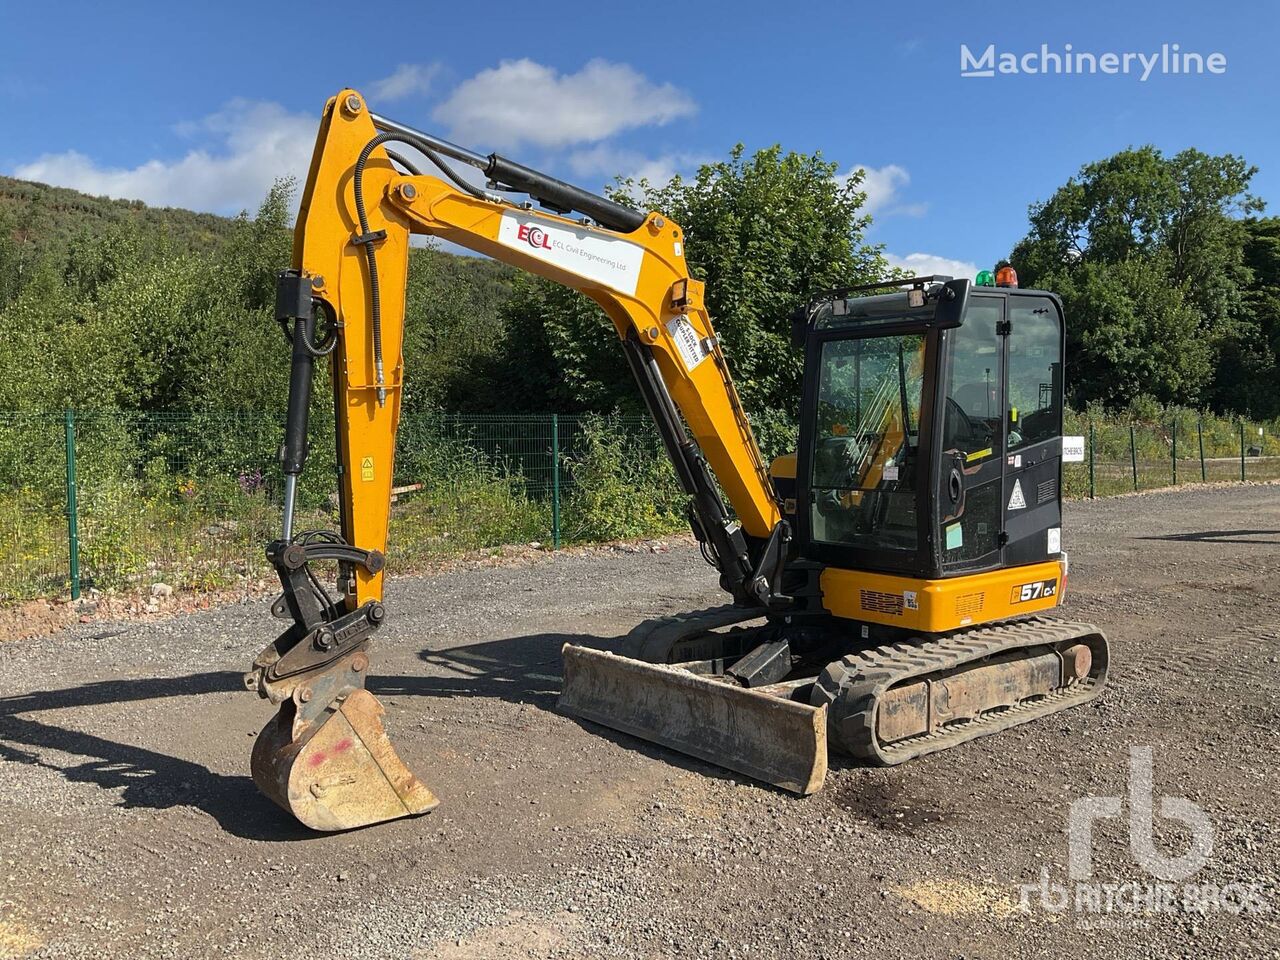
(957, 898)
(517, 936)
(888, 805)
(17, 940)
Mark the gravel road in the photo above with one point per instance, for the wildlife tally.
(129, 826)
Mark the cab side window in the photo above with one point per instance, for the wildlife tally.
(971, 421)
(1035, 371)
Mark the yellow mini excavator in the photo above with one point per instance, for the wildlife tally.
(888, 582)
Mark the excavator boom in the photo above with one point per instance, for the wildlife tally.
(326, 757)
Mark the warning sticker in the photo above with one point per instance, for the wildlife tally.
(366, 469)
(1016, 500)
(688, 344)
(1055, 540)
(910, 600)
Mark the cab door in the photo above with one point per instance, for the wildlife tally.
(1031, 504)
(970, 479)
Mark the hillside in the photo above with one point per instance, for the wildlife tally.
(38, 217)
(43, 216)
(105, 286)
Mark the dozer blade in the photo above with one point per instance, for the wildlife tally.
(765, 736)
(339, 772)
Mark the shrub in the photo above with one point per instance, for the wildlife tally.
(619, 487)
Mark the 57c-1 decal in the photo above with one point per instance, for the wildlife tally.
(1038, 590)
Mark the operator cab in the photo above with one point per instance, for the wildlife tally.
(931, 428)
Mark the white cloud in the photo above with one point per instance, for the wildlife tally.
(881, 185)
(521, 101)
(255, 143)
(406, 80)
(235, 154)
(924, 264)
(609, 162)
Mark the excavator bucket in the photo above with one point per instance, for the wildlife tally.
(759, 732)
(340, 771)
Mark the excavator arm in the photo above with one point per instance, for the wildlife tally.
(325, 756)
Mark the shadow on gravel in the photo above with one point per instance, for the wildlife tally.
(518, 669)
(147, 779)
(1218, 536)
(527, 670)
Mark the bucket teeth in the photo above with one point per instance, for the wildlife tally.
(340, 772)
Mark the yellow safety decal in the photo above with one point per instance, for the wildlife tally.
(978, 456)
(366, 469)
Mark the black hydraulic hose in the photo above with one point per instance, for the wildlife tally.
(367, 240)
(404, 162)
(371, 256)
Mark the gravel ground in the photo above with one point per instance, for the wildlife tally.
(131, 828)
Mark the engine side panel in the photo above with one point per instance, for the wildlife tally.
(938, 606)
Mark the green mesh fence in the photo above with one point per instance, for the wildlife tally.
(191, 499)
(1123, 458)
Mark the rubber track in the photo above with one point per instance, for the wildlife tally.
(853, 685)
(653, 640)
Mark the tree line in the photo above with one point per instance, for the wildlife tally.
(1169, 274)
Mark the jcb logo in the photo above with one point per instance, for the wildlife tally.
(534, 236)
(1038, 590)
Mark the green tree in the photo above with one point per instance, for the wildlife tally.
(764, 232)
(1147, 252)
(1249, 367)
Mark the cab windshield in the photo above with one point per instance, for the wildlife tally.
(866, 442)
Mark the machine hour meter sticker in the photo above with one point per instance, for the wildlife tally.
(608, 261)
(1073, 449)
(1036, 590)
(692, 351)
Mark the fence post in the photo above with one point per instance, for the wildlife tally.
(555, 481)
(1133, 457)
(73, 518)
(1242, 451)
(1091, 485)
(1175, 451)
(1200, 437)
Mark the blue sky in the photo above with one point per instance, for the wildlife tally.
(202, 106)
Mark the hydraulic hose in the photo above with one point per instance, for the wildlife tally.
(367, 239)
